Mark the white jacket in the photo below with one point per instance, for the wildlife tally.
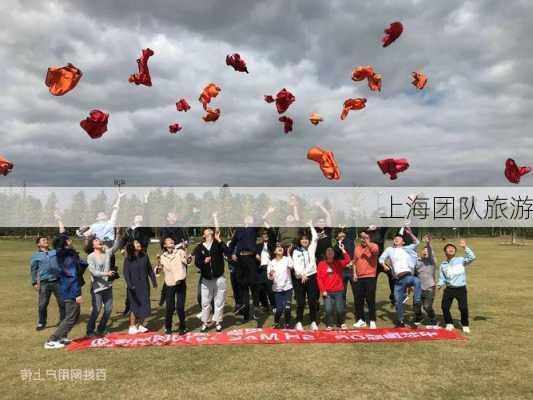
(304, 260)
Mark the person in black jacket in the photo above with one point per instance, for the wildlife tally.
(209, 258)
(140, 230)
(264, 252)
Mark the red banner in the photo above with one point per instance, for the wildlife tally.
(264, 336)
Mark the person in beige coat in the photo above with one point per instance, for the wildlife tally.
(173, 262)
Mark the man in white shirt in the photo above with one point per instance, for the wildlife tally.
(401, 259)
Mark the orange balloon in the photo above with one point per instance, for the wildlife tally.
(210, 91)
(61, 80)
(315, 118)
(419, 80)
(352, 104)
(367, 72)
(326, 161)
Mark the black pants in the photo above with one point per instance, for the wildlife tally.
(46, 289)
(365, 290)
(451, 293)
(175, 301)
(247, 283)
(308, 289)
(72, 314)
(347, 277)
(235, 286)
(390, 277)
(265, 295)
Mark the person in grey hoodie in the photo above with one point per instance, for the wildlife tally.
(99, 266)
(425, 271)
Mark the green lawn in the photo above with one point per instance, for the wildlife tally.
(495, 362)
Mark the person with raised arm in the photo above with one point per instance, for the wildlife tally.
(324, 231)
(209, 258)
(70, 283)
(288, 234)
(279, 272)
(425, 270)
(99, 265)
(140, 229)
(452, 275)
(305, 279)
(401, 259)
(330, 284)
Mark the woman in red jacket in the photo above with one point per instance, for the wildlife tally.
(331, 285)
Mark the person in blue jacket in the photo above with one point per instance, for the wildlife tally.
(70, 282)
(45, 273)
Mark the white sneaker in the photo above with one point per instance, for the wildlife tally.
(360, 324)
(343, 326)
(372, 324)
(466, 329)
(450, 327)
(329, 328)
(132, 330)
(405, 300)
(299, 327)
(314, 326)
(142, 329)
(53, 345)
(199, 316)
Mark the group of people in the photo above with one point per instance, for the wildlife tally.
(268, 267)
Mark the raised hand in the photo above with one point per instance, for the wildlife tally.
(462, 243)
(57, 216)
(145, 197)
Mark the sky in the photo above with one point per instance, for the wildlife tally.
(474, 113)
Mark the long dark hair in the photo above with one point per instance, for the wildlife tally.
(130, 250)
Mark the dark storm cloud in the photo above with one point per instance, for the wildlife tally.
(474, 114)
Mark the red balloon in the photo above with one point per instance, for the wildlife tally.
(283, 100)
(352, 104)
(513, 172)
(143, 76)
(95, 124)
(175, 128)
(5, 166)
(210, 91)
(212, 114)
(392, 33)
(326, 161)
(236, 62)
(182, 105)
(393, 166)
(287, 123)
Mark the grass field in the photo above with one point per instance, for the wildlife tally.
(495, 362)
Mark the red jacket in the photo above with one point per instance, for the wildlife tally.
(329, 276)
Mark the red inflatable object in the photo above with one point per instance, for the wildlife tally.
(143, 76)
(212, 114)
(283, 100)
(287, 123)
(513, 172)
(236, 62)
(352, 104)
(326, 161)
(392, 33)
(5, 166)
(95, 124)
(175, 128)
(393, 166)
(367, 72)
(182, 105)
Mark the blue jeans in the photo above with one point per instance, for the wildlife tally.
(283, 305)
(334, 300)
(103, 298)
(46, 289)
(400, 293)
